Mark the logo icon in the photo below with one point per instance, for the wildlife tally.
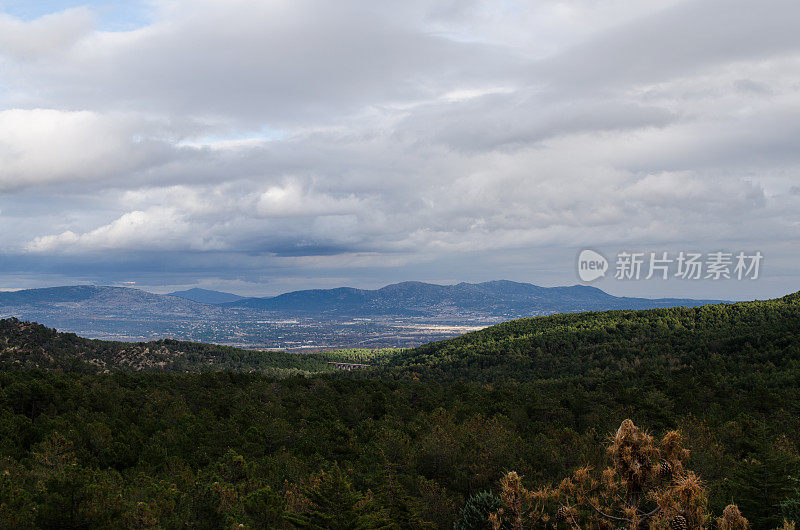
(591, 265)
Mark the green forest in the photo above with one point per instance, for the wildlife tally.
(666, 418)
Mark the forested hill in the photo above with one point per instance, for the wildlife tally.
(418, 443)
(31, 345)
(598, 344)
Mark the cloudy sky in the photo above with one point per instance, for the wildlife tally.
(259, 146)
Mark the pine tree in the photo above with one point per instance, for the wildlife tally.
(333, 504)
(402, 510)
(477, 510)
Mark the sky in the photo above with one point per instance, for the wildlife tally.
(263, 146)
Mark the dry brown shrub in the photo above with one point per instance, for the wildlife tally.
(645, 486)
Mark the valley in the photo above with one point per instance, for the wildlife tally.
(400, 315)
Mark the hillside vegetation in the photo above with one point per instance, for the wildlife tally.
(426, 439)
(599, 345)
(31, 345)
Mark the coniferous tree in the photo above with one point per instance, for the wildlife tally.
(477, 510)
(333, 504)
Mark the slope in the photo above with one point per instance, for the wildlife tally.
(595, 344)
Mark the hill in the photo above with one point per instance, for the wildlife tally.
(206, 296)
(601, 344)
(30, 345)
(101, 302)
(111, 312)
(412, 441)
(495, 298)
(118, 300)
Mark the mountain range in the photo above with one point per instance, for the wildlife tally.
(309, 318)
(496, 298)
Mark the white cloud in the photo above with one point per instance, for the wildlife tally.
(154, 229)
(40, 146)
(50, 34)
(290, 200)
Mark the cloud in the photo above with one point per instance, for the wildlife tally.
(48, 35)
(251, 61)
(255, 138)
(292, 201)
(217, 218)
(41, 146)
(495, 121)
(682, 40)
(156, 228)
